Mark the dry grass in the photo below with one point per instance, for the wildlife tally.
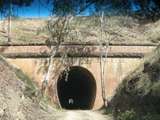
(118, 29)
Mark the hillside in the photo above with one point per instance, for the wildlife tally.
(118, 29)
(17, 101)
(138, 97)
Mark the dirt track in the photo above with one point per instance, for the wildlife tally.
(83, 115)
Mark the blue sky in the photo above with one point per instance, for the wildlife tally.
(42, 9)
(35, 10)
(39, 8)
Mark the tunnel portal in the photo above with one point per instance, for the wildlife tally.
(77, 89)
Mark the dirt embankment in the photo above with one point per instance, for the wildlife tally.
(139, 93)
(17, 97)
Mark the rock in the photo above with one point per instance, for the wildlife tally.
(1, 112)
(20, 116)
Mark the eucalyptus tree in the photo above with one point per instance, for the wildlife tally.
(147, 8)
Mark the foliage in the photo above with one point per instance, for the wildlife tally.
(16, 2)
(150, 117)
(132, 115)
(5, 4)
(146, 8)
(140, 90)
(138, 8)
(127, 115)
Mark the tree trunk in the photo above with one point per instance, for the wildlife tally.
(9, 21)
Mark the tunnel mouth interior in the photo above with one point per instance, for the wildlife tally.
(76, 89)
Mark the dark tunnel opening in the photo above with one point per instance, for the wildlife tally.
(78, 90)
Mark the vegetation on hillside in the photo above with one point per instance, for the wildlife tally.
(119, 29)
(138, 96)
(138, 8)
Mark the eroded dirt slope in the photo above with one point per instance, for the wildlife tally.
(15, 103)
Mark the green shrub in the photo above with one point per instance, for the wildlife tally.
(151, 117)
(127, 115)
(131, 115)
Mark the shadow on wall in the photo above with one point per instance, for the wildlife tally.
(77, 89)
